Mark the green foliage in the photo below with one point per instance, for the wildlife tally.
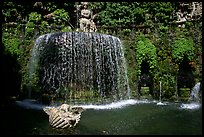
(66, 29)
(159, 11)
(34, 17)
(183, 47)
(126, 32)
(166, 76)
(60, 16)
(12, 44)
(145, 50)
(129, 53)
(9, 11)
(43, 25)
(30, 26)
(51, 6)
(124, 13)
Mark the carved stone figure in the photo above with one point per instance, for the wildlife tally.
(63, 116)
(86, 23)
(181, 18)
(189, 11)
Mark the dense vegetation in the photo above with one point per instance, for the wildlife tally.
(147, 29)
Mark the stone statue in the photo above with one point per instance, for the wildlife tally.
(181, 18)
(190, 11)
(63, 116)
(86, 23)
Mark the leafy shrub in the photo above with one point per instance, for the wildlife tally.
(182, 47)
(145, 50)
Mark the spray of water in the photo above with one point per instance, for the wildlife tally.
(114, 105)
(30, 104)
(78, 65)
(192, 105)
(194, 100)
(195, 92)
(33, 104)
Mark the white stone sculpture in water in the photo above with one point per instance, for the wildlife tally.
(63, 116)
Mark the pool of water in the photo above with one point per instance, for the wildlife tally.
(131, 117)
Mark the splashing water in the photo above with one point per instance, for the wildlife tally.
(160, 95)
(195, 92)
(193, 105)
(194, 98)
(114, 105)
(80, 65)
(33, 104)
(30, 104)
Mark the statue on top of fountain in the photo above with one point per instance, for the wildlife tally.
(86, 22)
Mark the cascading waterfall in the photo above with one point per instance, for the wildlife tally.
(194, 96)
(78, 65)
(194, 99)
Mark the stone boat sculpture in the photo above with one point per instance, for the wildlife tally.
(64, 115)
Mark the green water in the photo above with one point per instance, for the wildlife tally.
(137, 119)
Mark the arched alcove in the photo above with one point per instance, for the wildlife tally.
(185, 79)
(145, 80)
(145, 68)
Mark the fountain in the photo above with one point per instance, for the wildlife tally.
(76, 66)
(194, 99)
(126, 117)
(80, 65)
(195, 96)
(160, 94)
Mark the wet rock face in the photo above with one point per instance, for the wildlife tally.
(63, 116)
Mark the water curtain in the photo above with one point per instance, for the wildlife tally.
(80, 65)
